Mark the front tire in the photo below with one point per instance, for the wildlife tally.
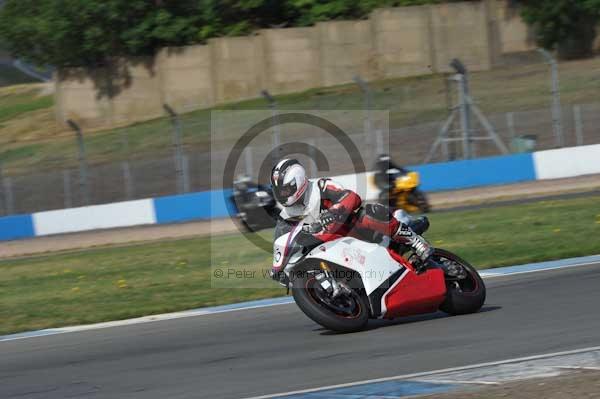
(462, 296)
(304, 290)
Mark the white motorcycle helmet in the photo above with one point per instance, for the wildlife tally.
(289, 182)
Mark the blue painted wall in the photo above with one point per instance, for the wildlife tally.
(215, 204)
(203, 205)
(15, 227)
(477, 172)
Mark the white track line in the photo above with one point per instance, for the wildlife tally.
(578, 368)
(429, 373)
(491, 274)
(474, 382)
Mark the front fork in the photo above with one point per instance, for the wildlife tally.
(327, 281)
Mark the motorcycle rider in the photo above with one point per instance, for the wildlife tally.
(386, 171)
(337, 209)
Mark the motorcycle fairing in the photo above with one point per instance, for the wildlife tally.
(372, 261)
(415, 294)
(282, 247)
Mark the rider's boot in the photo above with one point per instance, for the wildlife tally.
(417, 224)
(420, 246)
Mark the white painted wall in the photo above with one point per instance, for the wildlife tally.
(119, 214)
(361, 184)
(567, 162)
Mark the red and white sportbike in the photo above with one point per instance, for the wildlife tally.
(341, 282)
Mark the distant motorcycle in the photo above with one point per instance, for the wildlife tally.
(400, 190)
(255, 205)
(341, 282)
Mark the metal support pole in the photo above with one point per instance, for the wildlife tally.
(465, 110)
(83, 166)
(276, 139)
(248, 161)
(127, 180)
(442, 137)
(367, 107)
(556, 107)
(379, 141)
(578, 124)
(510, 123)
(126, 168)
(9, 199)
(313, 158)
(177, 147)
(7, 194)
(465, 115)
(489, 128)
(2, 199)
(68, 196)
(185, 167)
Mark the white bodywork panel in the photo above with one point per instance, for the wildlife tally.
(280, 245)
(371, 261)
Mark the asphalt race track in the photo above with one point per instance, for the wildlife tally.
(277, 349)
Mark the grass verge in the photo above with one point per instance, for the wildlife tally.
(20, 100)
(115, 283)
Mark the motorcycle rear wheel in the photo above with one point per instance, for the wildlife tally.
(463, 296)
(310, 301)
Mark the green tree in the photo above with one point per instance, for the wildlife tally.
(90, 33)
(568, 26)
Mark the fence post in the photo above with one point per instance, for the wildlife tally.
(248, 161)
(313, 157)
(367, 106)
(68, 198)
(127, 180)
(276, 140)
(185, 166)
(7, 190)
(177, 148)
(510, 123)
(556, 107)
(578, 124)
(125, 167)
(83, 166)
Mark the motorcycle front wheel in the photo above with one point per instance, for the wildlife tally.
(347, 313)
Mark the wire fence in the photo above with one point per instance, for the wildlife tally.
(527, 105)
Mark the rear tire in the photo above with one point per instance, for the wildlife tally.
(324, 316)
(465, 299)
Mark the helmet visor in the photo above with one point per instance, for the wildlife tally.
(285, 192)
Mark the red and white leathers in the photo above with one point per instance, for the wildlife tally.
(324, 195)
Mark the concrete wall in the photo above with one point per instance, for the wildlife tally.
(347, 49)
(403, 41)
(392, 43)
(460, 30)
(292, 59)
(186, 77)
(514, 35)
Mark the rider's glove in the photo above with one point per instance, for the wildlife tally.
(327, 218)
